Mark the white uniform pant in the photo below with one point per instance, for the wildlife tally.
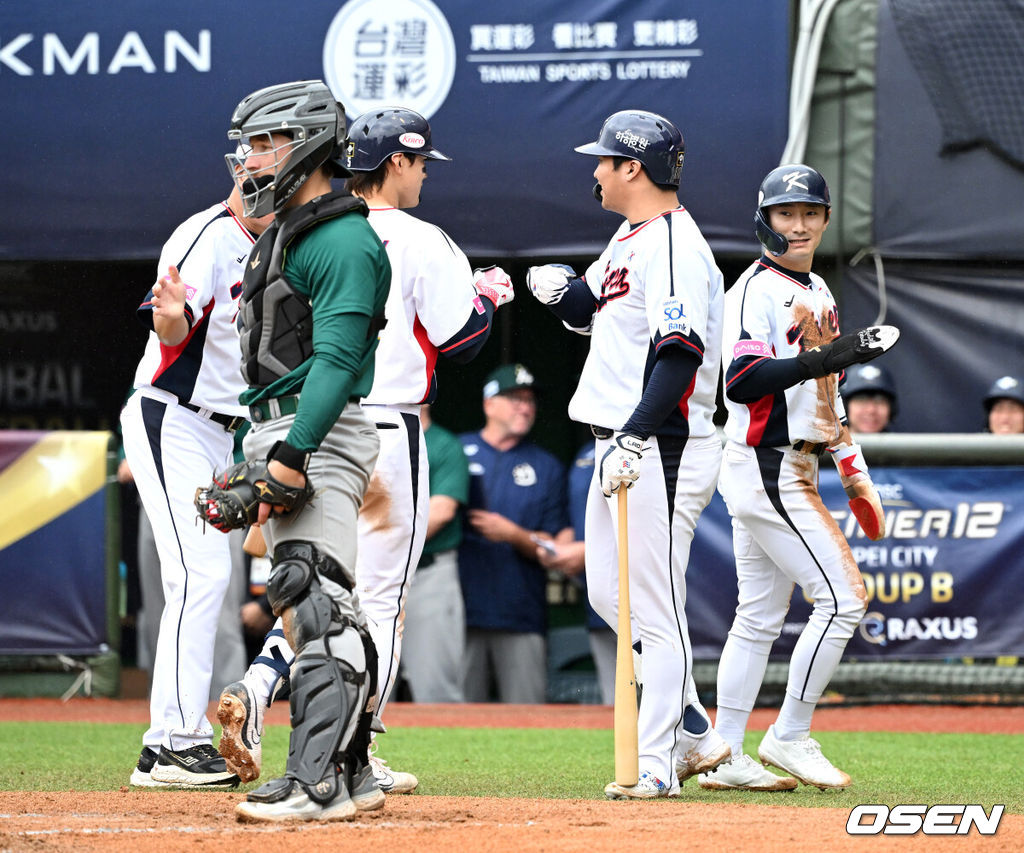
(784, 535)
(171, 452)
(392, 529)
(663, 507)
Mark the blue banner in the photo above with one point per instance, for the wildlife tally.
(53, 543)
(946, 581)
(120, 110)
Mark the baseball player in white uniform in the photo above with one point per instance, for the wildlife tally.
(783, 357)
(652, 303)
(178, 428)
(436, 306)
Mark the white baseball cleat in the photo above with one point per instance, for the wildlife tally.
(803, 759)
(744, 774)
(388, 780)
(648, 787)
(284, 801)
(240, 714)
(704, 753)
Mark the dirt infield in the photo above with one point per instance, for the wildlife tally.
(130, 820)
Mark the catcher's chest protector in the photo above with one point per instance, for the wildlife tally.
(274, 321)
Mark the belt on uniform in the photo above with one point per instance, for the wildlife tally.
(601, 432)
(276, 407)
(229, 422)
(814, 448)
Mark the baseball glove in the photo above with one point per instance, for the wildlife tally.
(233, 499)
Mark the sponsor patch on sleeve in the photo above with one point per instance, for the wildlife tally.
(745, 348)
(673, 319)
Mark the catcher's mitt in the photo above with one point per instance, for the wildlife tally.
(233, 499)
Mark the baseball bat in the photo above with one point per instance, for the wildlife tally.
(627, 770)
(254, 544)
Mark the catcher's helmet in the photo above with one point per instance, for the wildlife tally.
(644, 136)
(782, 185)
(377, 134)
(1004, 388)
(869, 379)
(307, 112)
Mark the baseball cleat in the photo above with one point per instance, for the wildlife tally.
(240, 714)
(803, 759)
(706, 753)
(388, 780)
(141, 774)
(366, 793)
(283, 800)
(744, 774)
(648, 787)
(198, 766)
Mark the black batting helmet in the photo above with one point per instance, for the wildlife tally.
(376, 135)
(869, 379)
(783, 185)
(1004, 388)
(640, 135)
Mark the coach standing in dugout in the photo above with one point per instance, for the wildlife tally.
(314, 294)
(652, 303)
(784, 358)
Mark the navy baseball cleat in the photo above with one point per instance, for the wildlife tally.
(199, 766)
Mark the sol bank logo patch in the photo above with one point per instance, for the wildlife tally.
(401, 52)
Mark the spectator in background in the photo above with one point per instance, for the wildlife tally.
(869, 395)
(1004, 406)
(516, 498)
(434, 645)
(567, 556)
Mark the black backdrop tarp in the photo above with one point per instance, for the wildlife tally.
(960, 329)
(929, 203)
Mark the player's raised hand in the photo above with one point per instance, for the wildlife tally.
(493, 283)
(620, 464)
(549, 282)
(852, 348)
(169, 295)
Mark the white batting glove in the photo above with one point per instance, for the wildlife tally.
(621, 463)
(494, 284)
(549, 282)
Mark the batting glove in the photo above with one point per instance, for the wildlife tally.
(493, 283)
(853, 348)
(621, 462)
(549, 282)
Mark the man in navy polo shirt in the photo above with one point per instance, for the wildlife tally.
(516, 497)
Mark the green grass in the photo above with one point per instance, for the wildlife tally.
(554, 763)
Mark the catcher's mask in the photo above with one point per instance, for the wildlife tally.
(283, 134)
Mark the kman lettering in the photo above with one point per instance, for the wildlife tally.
(50, 54)
(933, 820)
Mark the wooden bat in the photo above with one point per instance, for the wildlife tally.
(254, 544)
(627, 772)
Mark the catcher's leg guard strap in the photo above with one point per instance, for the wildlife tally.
(329, 688)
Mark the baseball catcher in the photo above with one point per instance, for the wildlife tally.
(233, 499)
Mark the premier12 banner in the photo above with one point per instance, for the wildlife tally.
(946, 581)
(119, 112)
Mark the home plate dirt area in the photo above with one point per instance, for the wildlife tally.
(133, 820)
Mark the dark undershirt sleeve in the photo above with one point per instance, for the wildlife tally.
(672, 374)
(577, 305)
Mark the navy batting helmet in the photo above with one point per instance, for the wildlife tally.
(869, 379)
(783, 185)
(1004, 388)
(644, 136)
(377, 134)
